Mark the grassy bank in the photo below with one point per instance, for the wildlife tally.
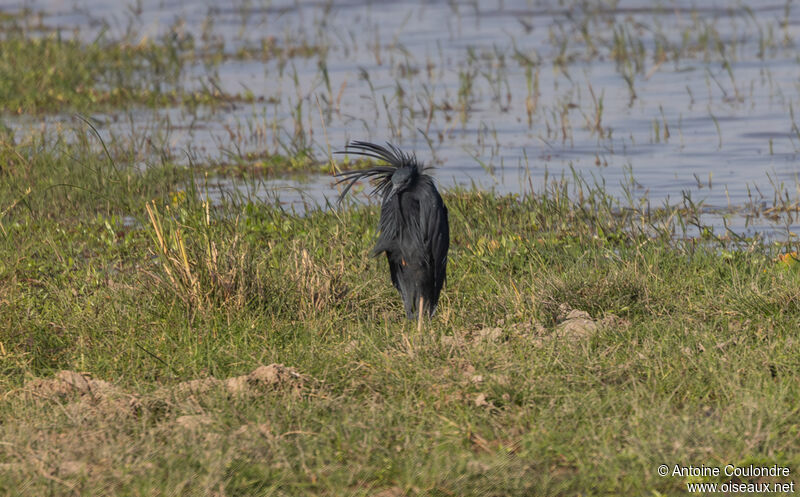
(159, 310)
(44, 70)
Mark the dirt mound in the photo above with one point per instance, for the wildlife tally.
(573, 325)
(577, 325)
(192, 387)
(484, 335)
(68, 383)
(263, 378)
(274, 376)
(82, 393)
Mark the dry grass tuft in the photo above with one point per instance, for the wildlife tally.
(199, 267)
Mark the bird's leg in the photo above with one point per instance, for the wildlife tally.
(419, 315)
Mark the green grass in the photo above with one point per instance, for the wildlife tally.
(693, 363)
(51, 73)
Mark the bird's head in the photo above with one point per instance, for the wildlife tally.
(403, 178)
(400, 173)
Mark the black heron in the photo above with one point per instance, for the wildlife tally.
(413, 230)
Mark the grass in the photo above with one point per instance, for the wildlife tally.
(252, 164)
(580, 341)
(52, 72)
(133, 280)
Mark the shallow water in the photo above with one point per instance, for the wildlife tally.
(706, 111)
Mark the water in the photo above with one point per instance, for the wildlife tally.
(657, 100)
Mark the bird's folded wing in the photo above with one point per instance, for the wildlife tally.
(436, 231)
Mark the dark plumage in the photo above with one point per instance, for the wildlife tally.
(413, 228)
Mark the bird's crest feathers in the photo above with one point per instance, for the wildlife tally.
(381, 176)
